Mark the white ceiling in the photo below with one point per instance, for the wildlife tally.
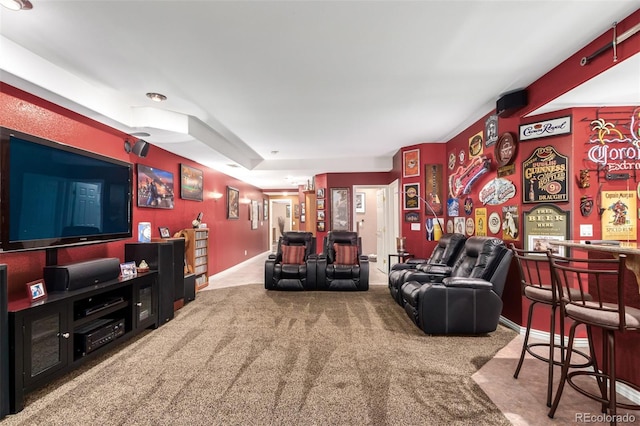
(331, 86)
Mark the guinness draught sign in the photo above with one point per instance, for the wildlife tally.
(544, 176)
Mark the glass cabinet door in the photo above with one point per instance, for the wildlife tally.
(146, 304)
(47, 343)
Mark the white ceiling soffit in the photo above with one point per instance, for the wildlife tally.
(275, 92)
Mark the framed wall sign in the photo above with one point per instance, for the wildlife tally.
(411, 196)
(191, 183)
(544, 176)
(546, 128)
(433, 188)
(506, 149)
(544, 223)
(265, 209)
(340, 210)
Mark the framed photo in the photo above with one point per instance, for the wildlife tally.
(233, 203)
(320, 226)
(164, 232)
(265, 209)
(340, 210)
(411, 163)
(320, 215)
(287, 211)
(303, 218)
(361, 198)
(320, 204)
(128, 269)
(155, 188)
(36, 290)
(255, 214)
(320, 193)
(296, 211)
(191, 183)
(411, 193)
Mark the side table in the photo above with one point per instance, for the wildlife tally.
(402, 257)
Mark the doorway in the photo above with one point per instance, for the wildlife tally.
(373, 215)
(280, 220)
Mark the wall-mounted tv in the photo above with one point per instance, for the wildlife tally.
(54, 195)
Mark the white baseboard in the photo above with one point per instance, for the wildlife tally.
(581, 342)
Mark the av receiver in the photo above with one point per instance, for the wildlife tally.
(96, 334)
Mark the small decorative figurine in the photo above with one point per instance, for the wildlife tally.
(584, 179)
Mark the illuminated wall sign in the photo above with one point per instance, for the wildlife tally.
(544, 176)
(543, 129)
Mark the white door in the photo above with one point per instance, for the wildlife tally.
(381, 229)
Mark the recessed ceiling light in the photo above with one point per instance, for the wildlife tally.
(141, 134)
(235, 166)
(156, 97)
(17, 4)
(274, 152)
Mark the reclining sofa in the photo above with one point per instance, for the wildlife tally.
(444, 255)
(463, 299)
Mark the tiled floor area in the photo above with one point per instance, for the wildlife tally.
(523, 401)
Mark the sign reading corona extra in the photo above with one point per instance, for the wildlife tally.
(544, 176)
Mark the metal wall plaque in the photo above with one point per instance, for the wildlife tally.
(544, 176)
(546, 128)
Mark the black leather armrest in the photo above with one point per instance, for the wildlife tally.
(464, 282)
(415, 261)
(437, 269)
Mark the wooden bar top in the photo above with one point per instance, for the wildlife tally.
(629, 248)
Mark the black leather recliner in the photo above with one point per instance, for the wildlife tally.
(299, 249)
(443, 257)
(469, 300)
(335, 273)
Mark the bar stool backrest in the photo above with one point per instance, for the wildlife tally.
(602, 279)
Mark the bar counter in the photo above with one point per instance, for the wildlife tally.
(630, 249)
(627, 343)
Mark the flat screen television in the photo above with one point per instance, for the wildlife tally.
(55, 195)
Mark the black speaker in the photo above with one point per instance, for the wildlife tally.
(4, 344)
(140, 148)
(511, 102)
(159, 256)
(81, 274)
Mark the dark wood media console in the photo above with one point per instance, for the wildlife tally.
(49, 338)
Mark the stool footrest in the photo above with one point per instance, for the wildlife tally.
(597, 397)
(584, 364)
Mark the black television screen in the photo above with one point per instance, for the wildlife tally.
(56, 195)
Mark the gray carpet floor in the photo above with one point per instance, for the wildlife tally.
(246, 356)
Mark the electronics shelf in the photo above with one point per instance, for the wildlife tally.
(50, 337)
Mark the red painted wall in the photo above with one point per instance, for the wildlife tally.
(228, 238)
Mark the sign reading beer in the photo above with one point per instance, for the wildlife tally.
(544, 176)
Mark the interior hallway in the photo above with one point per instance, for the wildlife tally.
(523, 401)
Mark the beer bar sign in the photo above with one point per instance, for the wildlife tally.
(544, 176)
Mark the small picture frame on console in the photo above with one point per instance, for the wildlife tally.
(164, 232)
(128, 269)
(36, 290)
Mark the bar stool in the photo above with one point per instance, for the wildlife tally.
(595, 277)
(537, 287)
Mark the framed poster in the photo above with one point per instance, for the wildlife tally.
(191, 183)
(233, 203)
(320, 204)
(340, 210)
(411, 198)
(360, 202)
(255, 214)
(155, 188)
(265, 209)
(320, 193)
(411, 163)
(619, 218)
